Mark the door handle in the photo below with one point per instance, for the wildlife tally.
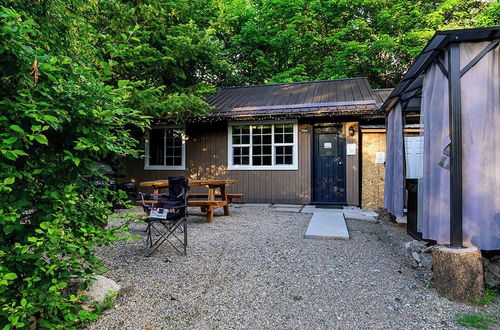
(341, 163)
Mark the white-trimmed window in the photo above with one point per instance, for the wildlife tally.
(165, 148)
(263, 146)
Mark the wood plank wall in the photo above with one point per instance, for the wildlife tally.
(352, 165)
(206, 157)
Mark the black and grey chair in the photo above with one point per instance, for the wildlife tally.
(167, 216)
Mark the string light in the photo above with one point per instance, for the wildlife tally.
(227, 116)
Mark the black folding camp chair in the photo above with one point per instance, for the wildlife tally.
(167, 214)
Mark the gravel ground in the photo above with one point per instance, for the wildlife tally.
(255, 270)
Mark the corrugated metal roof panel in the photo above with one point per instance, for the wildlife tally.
(382, 94)
(278, 99)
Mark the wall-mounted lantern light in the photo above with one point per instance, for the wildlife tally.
(352, 131)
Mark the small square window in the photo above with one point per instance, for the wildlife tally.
(164, 148)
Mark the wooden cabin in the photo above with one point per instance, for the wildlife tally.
(297, 143)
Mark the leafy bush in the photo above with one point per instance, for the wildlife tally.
(58, 117)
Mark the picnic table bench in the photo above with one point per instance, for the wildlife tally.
(208, 202)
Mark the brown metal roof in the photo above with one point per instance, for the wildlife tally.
(314, 98)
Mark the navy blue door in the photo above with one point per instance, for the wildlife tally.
(329, 165)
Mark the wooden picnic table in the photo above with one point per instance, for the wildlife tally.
(208, 205)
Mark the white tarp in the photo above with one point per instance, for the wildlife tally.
(394, 174)
(480, 89)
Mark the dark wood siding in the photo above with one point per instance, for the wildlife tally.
(352, 166)
(206, 158)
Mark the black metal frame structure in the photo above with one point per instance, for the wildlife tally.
(410, 89)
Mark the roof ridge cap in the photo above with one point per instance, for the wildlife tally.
(294, 83)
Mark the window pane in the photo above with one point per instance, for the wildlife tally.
(240, 155)
(156, 147)
(278, 138)
(241, 134)
(266, 160)
(245, 129)
(266, 139)
(288, 138)
(174, 146)
(262, 129)
(256, 160)
(284, 155)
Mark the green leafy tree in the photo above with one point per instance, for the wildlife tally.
(168, 51)
(283, 40)
(58, 118)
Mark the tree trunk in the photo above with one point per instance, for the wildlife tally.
(458, 273)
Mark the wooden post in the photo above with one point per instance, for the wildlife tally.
(223, 194)
(210, 214)
(211, 193)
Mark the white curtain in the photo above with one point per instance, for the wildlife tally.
(480, 89)
(481, 147)
(435, 184)
(394, 174)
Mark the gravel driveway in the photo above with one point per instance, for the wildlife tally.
(255, 270)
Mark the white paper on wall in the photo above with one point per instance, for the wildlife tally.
(351, 149)
(379, 157)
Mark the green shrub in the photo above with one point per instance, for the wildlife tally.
(52, 132)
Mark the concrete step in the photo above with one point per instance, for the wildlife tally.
(308, 209)
(326, 223)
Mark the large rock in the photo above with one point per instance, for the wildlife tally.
(426, 260)
(492, 273)
(415, 246)
(458, 273)
(99, 289)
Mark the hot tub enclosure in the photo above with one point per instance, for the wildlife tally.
(454, 84)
